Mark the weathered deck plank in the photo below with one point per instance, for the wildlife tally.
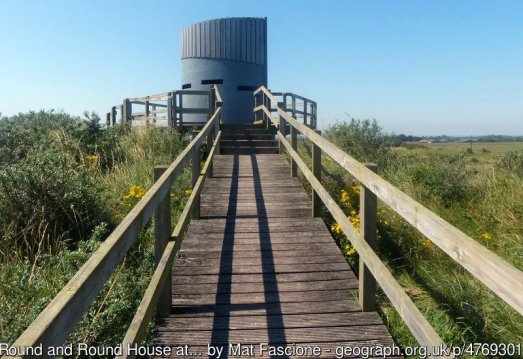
(257, 268)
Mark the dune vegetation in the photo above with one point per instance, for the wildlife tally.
(482, 196)
(65, 183)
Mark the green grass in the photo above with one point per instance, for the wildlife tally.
(481, 150)
(483, 198)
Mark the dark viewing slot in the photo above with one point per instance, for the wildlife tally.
(212, 82)
(246, 88)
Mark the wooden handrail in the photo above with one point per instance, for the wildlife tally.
(136, 332)
(54, 324)
(419, 326)
(309, 117)
(174, 109)
(496, 273)
(218, 97)
(267, 93)
(503, 279)
(164, 95)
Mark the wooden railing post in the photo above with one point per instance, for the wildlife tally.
(314, 110)
(175, 111)
(126, 110)
(305, 109)
(210, 141)
(316, 171)
(264, 103)
(180, 109)
(147, 112)
(113, 116)
(281, 147)
(153, 107)
(212, 100)
(162, 233)
(294, 144)
(267, 104)
(217, 122)
(195, 174)
(216, 130)
(170, 110)
(368, 220)
(293, 99)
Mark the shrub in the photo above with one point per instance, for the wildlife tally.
(19, 133)
(444, 179)
(61, 177)
(362, 139)
(45, 199)
(512, 161)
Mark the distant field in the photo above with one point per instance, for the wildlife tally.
(480, 149)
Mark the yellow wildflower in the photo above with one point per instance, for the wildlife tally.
(344, 196)
(349, 250)
(91, 158)
(486, 236)
(354, 218)
(427, 243)
(336, 228)
(188, 192)
(135, 192)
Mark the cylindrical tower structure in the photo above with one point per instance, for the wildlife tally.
(231, 53)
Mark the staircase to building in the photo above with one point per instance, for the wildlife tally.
(248, 139)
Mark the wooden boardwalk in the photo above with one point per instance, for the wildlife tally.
(256, 268)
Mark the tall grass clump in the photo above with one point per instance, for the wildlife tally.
(512, 161)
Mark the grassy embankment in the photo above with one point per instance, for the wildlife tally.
(481, 193)
(65, 183)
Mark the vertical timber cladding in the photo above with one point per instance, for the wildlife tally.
(229, 52)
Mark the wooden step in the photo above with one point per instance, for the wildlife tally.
(247, 150)
(248, 143)
(247, 136)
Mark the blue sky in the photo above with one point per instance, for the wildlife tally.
(417, 67)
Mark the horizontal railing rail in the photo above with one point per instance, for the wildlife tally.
(54, 324)
(503, 279)
(301, 108)
(163, 109)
